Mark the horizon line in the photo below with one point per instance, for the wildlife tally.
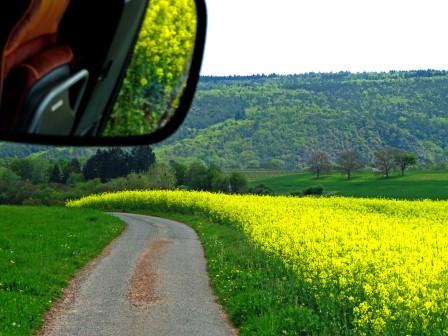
(323, 72)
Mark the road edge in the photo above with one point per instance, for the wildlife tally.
(68, 294)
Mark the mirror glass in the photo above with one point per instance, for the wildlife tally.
(159, 69)
(120, 74)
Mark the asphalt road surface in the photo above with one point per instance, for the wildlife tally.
(152, 282)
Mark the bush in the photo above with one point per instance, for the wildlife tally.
(314, 190)
(238, 183)
(260, 189)
(310, 191)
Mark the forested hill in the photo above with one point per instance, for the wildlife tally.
(16, 150)
(275, 121)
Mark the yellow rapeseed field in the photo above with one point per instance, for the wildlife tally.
(377, 266)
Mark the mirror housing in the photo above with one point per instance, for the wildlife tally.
(68, 80)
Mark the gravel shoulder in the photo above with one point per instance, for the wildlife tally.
(152, 281)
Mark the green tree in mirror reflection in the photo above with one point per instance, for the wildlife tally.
(158, 71)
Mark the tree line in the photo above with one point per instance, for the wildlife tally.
(350, 161)
(39, 181)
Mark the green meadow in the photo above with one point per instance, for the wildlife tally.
(40, 251)
(259, 174)
(414, 185)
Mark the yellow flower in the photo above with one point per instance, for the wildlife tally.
(143, 82)
(385, 259)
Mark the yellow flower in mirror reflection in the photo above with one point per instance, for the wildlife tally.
(162, 56)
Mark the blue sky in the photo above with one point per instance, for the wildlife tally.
(297, 36)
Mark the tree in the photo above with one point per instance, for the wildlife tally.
(385, 160)
(197, 176)
(161, 176)
(217, 180)
(55, 175)
(238, 183)
(116, 164)
(74, 178)
(319, 162)
(180, 171)
(73, 167)
(403, 160)
(22, 168)
(91, 169)
(107, 164)
(7, 176)
(141, 158)
(35, 170)
(9, 184)
(349, 161)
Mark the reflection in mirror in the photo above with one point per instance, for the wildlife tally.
(60, 71)
(158, 71)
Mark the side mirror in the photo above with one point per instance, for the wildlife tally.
(94, 73)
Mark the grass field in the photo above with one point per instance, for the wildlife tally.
(414, 185)
(257, 174)
(341, 266)
(40, 250)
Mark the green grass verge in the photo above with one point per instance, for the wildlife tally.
(260, 295)
(40, 251)
(414, 185)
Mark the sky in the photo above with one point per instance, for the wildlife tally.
(248, 37)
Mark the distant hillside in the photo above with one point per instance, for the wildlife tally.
(275, 121)
(15, 150)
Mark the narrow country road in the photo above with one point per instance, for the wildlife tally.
(152, 282)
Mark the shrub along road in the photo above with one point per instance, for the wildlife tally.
(153, 282)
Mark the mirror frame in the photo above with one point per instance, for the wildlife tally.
(116, 141)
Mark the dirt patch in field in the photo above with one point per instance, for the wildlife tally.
(144, 281)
